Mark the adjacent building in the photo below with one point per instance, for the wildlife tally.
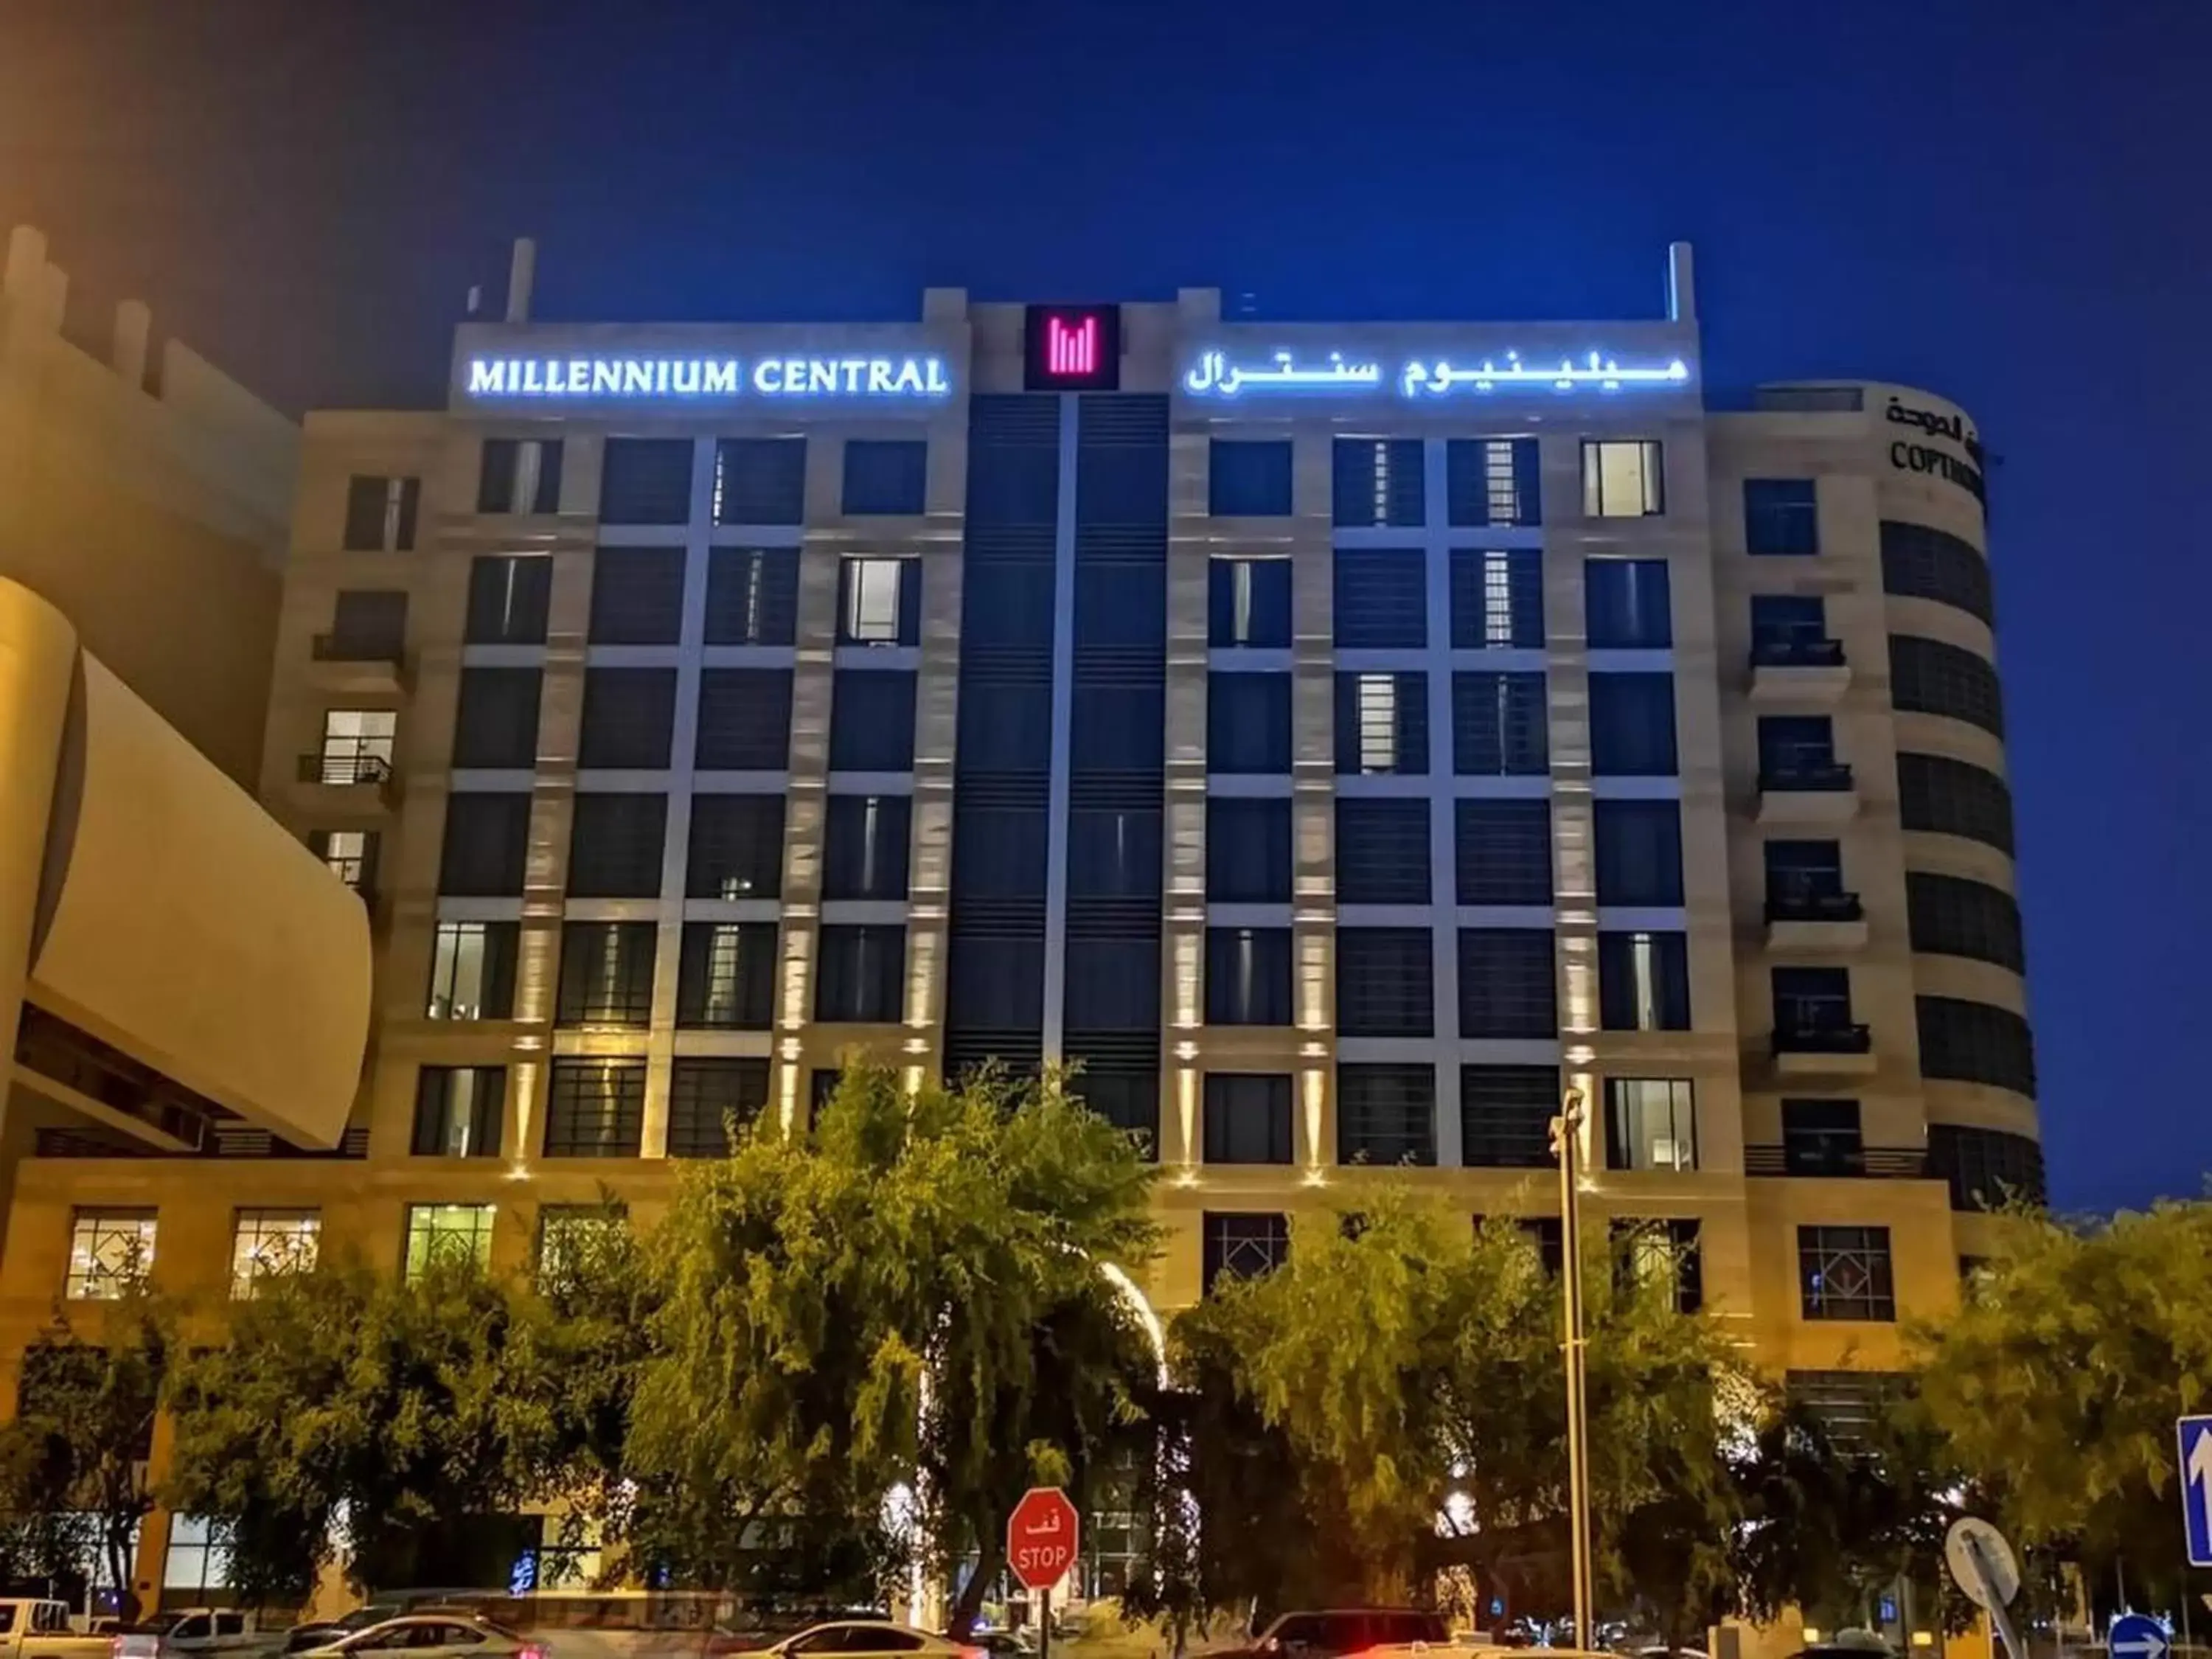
(1341, 739)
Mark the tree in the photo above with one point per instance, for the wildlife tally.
(2057, 1382)
(73, 1486)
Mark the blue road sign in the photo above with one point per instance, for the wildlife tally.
(2137, 1635)
(2194, 1436)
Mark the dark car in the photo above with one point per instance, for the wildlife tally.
(1341, 1630)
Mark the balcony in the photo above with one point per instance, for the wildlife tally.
(1798, 670)
(1807, 789)
(1822, 1048)
(1834, 1162)
(365, 664)
(1813, 916)
(346, 781)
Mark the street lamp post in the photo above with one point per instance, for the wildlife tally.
(1566, 1143)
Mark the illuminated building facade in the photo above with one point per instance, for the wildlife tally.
(1339, 739)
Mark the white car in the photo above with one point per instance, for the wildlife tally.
(869, 1638)
(433, 1635)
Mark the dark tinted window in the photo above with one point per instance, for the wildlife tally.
(1975, 1043)
(736, 847)
(1247, 851)
(1117, 728)
(1952, 916)
(1625, 604)
(1385, 983)
(1921, 563)
(1248, 1117)
(1788, 619)
(1504, 851)
(1378, 481)
(1931, 676)
(606, 973)
(1986, 1168)
(864, 847)
(1113, 985)
(871, 720)
(1632, 725)
(508, 596)
(744, 720)
(1507, 983)
(615, 845)
(519, 475)
(1644, 981)
(760, 481)
(1248, 723)
(458, 1111)
(487, 843)
(595, 1108)
(1497, 599)
(886, 475)
(629, 717)
(1844, 1272)
(1639, 851)
(637, 596)
(726, 976)
(1822, 1138)
(1249, 479)
(860, 973)
(1247, 977)
(1493, 481)
(752, 595)
(644, 481)
(1811, 999)
(707, 1098)
(495, 724)
(369, 623)
(1382, 850)
(1954, 797)
(1498, 725)
(1382, 599)
(1112, 853)
(1780, 516)
(1505, 1116)
(1249, 603)
(380, 514)
(1386, 1113)
(1242, 1244)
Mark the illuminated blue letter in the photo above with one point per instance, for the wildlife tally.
(486, 380)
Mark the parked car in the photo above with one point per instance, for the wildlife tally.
(301, 1637)
(1337, 1632)
(433, 1635)
(35, 1629)
(190, 1633)
(866, 1639)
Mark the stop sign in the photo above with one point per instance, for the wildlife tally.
(1042, 1534)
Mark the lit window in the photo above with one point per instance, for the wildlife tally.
(1497, 597)
(458, 977)
(442, 1234)
(1501, 483)
(199, 1558)
(110, 1252)
(871, 601)
(1378, 722)
(350, 854)
(1651, 1123)
(1621, 478)
(357, 744)
(573, 1238)
(272, 1242)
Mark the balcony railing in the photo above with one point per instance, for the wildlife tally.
(344, 768)
(1795, 651)
(1824, 1036)
(1806, 903)
(1838, 1162)
(357, 647)
(1824, 776)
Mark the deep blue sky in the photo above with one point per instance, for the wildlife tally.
(2001, 202)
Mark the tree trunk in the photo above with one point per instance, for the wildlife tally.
(991, 1561)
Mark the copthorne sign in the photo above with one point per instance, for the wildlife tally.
(634, 377)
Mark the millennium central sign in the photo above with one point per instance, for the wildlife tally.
(633, 377)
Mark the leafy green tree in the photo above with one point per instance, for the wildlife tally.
(2057, 1382)
(73, 1485)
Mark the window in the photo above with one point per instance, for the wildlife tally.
(1662, 1255)
(1243, 1245)
(744, 720)
(736, 847)
(1249, 480)
(595, 1108)
(1952, 916)
(447, 1235)
(110, 1251)
(1781, 516)
(1385, 983)
(1112, 853)
(472, 970)
(864, 847)
(1633, 725)
(861, 969)
(1498, 725)
(1114, 988)
(1505, 1116)
(1383, 724)
(1650, 1123)
(886, 475)
(1248, 1117)
(1626, 606)
(606, 973)
(871, 720)
(495, 724)
(1986, 1168)
(350, 855)
(1921, 563)
(1508, 985)
(263, 1242)
(519, 475)
(709, 1098)
(615, 843)
(380, 514)
(1811, 1005)
(1929, 677)
(1249, 603)
(1247, 977)
(1798, 752)
(878, 601)
(644, 481)
(1805, 881)
(1493, 481)
(487, 844)
(1948, 797)
(1843, 1272)
(1644, 981)
(1622, 479)
(510, 596)
(1975, 1043)
(1117, 727)
(458, 1111)
(760, 481)
(725, 978)
(367, 625)
(637, 596)
(1247, 851)
(571, 1239)
(1822, 1138)
(1382, 600)
(1248, 723)
(752, 595)
(1503, 851)
(1497, 599)
(629, 717)
(1639, 851)
(357, 744)
(1128, 1097)
(197, 1562)
(1382, 850)
(1378, 481)
(1790, 630)
(1386, 1113)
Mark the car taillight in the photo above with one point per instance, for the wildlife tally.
(530, 1651)
(975, 1653)
(114, 1647)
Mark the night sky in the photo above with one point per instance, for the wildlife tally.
(2001, 202)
